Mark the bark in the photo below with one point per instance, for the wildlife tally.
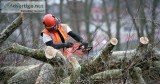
(156, 64)
(108, 74)
(107, 51)
(75, 73)
(136, 76)
(9, 71)
(76, 69)
(46, 75)
(34, 53)
(10, 28)
(26, 76)
(100, 63)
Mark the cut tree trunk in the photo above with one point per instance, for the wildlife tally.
(75, 73)
(46, 75)
(26, 76)
(35, 53)
(101, 62)
(9, 71)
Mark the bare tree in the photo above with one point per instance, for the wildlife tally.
(61, 10)
(75, 14)
(107, 19)
(118, 26)
(87, 13)
(154, 15)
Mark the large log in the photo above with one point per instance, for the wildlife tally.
(75, 73)
(46, 75)
(9, 71)
(76, 69)
(108, 74)
(10, 28)
(38, 54)
(26, 76)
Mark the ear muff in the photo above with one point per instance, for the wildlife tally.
(57, 20)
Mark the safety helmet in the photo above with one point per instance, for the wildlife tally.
(49, 21)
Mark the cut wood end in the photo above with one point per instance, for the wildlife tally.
(144, 40)
(73, 61)
(114, 41)
(50, 52)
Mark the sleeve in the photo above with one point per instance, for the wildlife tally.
(66, 28)
(71, 33)
(46, 38)
(75, 36)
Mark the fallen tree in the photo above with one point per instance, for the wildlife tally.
(105, 66)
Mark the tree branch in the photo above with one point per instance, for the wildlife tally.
(10, 28)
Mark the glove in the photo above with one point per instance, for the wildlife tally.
(85, 44)
(68, 44)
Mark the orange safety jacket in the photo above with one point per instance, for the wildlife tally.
(55, 36)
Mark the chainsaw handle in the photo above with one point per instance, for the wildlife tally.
(78, 48)
(83, 48)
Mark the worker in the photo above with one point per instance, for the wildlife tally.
(55, 34)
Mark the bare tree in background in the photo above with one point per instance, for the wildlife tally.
(118, 26)
(32, 30)
(46, 8)
(61, 10)
(87, 14)
(107, 19)
(154, 15)
(75, 14)
(130, 12)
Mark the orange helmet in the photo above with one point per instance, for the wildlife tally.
(49, 21)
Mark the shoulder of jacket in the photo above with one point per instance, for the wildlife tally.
(45, 31)
(64, 25)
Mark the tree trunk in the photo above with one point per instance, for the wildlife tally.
(118, 25)
(26, 76)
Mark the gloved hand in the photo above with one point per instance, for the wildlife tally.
(85, 44)
(68, 44)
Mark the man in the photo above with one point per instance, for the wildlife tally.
(56, 34)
